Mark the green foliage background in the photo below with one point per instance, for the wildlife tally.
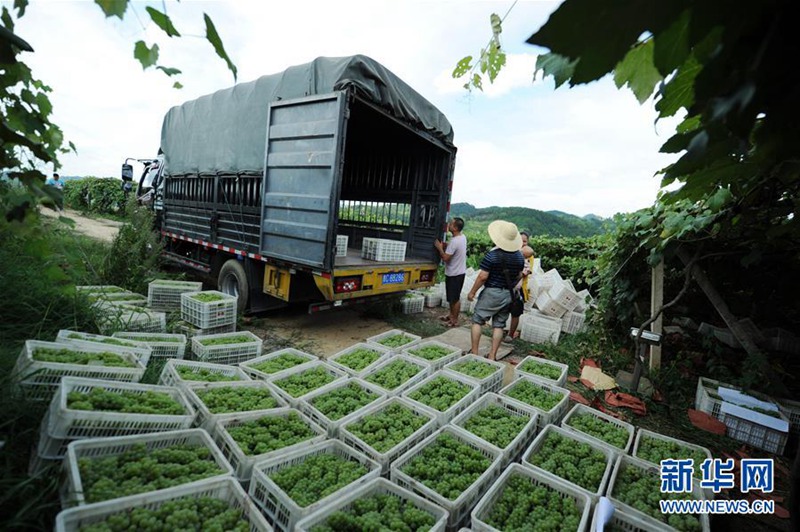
(96, 195)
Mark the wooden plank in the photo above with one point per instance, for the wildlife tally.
(656, 301)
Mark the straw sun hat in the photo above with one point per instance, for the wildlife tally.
(505, 235)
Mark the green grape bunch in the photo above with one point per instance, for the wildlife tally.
(496, 425)
(534, 395)
(540, 369)
(317, 476)
(388, 427)
(378, 512)
(189, 373)
(655, 450)
(306, 381)
(475, 368)
(279, 363)
(600, 428)
(227, 340)
(358, 359)
(440, 393)
(229, 399)
(523, 505)
(125, 401)
(269, 433)
(343, 401)
(396, 340)
(394, 374)
(431, 352)
(572, 460)
(83, 358)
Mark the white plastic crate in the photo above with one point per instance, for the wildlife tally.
(530, 361)
(707, 399)
(778, 339)
(643, 433)
(444, 417)
(547, 306)
(126, 296)
(609, 455)
(791, 409)
(249, 366)
(424, 371)
(337, 374)
(585, 300)
(165, 294)
(99, 288)
(437, 364)
(756, 434)
(491, 383)
(65, 422)
(625, 461)
(226, 489)
(210, 314)
(382, 249)
(233, 353)
(554, 415)
(205, 418)
(385, 458)
(573, 322)
(537, 328)
(433, 296)
(381, 351)
(537, 478)
(243, 463)
(514, 449)
(341, 245)
(38, 380)
(564, 294)
(142, 351)
(412, 303)
(170, 376)
(186, 328)
(279, 508)
(540, 282)
(579, 409)
(624, 520)
(378, 486)
(414, 339)
(99, 448)
(113, 318)
(162, 345)
(306, 405)
(460, 508)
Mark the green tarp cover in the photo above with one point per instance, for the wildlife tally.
(225, 132)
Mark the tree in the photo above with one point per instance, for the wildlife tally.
(30, 139)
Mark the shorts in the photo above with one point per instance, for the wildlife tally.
(492, 303)
(452, 286)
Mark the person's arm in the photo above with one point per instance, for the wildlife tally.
(479, 282)
(442, 253)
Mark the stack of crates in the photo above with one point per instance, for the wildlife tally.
(165, 294)
(218, 315)
(383, 250)
(341, 245)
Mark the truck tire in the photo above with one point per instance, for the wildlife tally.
(232, 280)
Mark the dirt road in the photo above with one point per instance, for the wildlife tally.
(98, 228)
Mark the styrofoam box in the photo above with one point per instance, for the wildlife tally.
(538, 328)
(624, 520)
(580, 409)
(537, 478)
(162, 345)
(444, 417)
(243, 463)
(412, 303)
(226, 489)
(80, 339)
(170, 376)
(491, 383)
(624, 461)
(386, 458)
(381, 351)
(521, 442)
(554, 415)
(210, 314)
(437, 364)
(65, 422)
(279, 508)
(459, 509)
(393, 332)
(531, 360)
(549, 307)
(227, 353)
(307, 406)
(165, 294)
(99, 448)
(609, 456)
(573, 322)
(277, 379)
(382, 249)
(249, 365)
(206, 419)
(341, 245)
(643, 433)
(40, 379)
(184, 327)
(424, 371)
(378, 486)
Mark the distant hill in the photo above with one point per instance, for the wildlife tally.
(535, 222)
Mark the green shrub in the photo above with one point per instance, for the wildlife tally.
(98, 195)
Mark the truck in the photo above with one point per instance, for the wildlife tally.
(255, 185)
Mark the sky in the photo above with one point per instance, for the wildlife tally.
(591, 149)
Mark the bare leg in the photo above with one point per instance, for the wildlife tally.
(455, 310)
(512, 329)
(497, 337)
(476, 338)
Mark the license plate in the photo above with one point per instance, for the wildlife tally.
(394, 278)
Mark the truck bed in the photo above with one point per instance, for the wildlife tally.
(353, 259)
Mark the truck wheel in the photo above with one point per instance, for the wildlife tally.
(233, 281)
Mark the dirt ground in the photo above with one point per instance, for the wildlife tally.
(98, 228)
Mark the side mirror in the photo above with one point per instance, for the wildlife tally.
(127, 172)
